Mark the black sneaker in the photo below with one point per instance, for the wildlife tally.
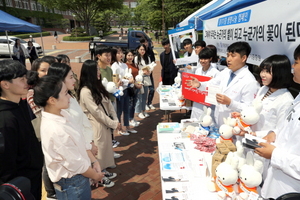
(115, 143)
(109, 175)
(105, 182)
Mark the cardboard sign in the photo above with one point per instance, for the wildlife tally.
(194, 94)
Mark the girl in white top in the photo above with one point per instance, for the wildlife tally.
(141, 60)
(275, 76)
(205, 58)
(123, 101)
(66, 157)
(64, 71)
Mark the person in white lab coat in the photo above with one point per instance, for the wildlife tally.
(239, 86)
(188, 46)
(276, 77)
(284, 170)
(205, 69)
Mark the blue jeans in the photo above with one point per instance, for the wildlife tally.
(141, 101)
(123, 107)
(75, 188)
(132, 103)
(151, 91)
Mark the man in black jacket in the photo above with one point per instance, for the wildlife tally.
(168, 70)
(22, 155)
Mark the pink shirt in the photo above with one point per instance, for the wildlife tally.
(63, 146)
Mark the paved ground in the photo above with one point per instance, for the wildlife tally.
(138, 168)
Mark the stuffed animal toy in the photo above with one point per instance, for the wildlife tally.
(139, 77)
(177, 81)
(205, 119)
(127, 78)
(248, 117)
(250, 176)
(226, 178)
(152, 65)
(226, 129)
(112, 88)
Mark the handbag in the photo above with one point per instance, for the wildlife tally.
(112, 130)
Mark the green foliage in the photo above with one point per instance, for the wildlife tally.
(78, 32)
(174, 11)
(84, 38)
(34, 35)
(44, 19)
(84, 10)
(70, 38)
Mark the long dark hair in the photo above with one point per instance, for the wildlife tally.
(61, 70)
(16, 44)
(88, 78)
(145, 56)
(127, 52)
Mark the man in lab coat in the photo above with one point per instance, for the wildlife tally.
(284, 170)
(237, 83)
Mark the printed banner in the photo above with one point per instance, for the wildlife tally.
(270, 27)
(194, 94)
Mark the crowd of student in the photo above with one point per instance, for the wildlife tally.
(62, 129)
(279, 118)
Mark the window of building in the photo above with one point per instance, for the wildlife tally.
(8, 3)
(39, 7)
(133, 4)
(33, 6)
(126, 3)
(26, 4)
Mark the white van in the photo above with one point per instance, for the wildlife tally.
(4, 51)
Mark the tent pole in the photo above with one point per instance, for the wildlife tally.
(42, 44)
(8, 44)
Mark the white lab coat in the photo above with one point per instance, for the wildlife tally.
(241, 90)
(284, 171)
(273, 111)
(197, 109)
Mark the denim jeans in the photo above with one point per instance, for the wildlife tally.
(75, 188)
(123, 107)
(132, 103)
(151, 91)
(141, 101)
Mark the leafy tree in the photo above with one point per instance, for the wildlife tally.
(84, 10)
(172, 11)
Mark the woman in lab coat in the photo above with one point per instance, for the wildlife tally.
(275, 76)
(205, 69)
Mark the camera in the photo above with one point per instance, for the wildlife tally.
(17, 188)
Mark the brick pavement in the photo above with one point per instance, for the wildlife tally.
(138, 168)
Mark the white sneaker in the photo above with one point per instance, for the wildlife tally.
(147, 107)
(117, 155)
(141, 115)
(137, 122)
(133, 123)
(146, 114)
(105, 182)
(124, 133)
(132, 131)
(152, 107)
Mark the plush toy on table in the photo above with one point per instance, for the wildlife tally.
(205, 119)
(226, 129)
(177, 81)
(226, 178)
(112, 88)
(250, 177)
(248, 116)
